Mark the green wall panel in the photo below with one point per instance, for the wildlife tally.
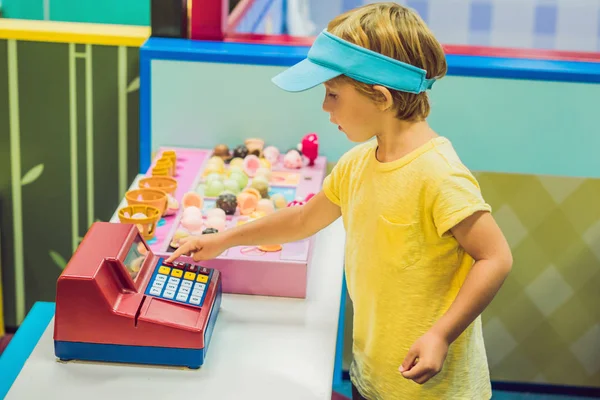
(44, 135)
(76, 152)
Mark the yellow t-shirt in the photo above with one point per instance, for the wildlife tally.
(404, 268)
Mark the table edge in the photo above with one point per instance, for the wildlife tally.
(23, 343)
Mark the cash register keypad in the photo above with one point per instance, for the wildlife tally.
(183, 283)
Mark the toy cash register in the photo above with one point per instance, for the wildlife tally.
(118, 302)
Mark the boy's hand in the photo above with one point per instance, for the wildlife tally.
(425, 358)
(200, 248)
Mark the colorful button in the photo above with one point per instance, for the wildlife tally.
(186, 284)
(204, 271)
(191, 268)
(158, 284)
(177, 273)
(182, 296)
(169, 294)
(195, 299)
(170, 286)
(190, 276)
(202, 278)
(179, 265)
(155, 291)
(168, 264)
(164, 270)
(160, 278)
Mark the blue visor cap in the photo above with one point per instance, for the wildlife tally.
(331, 56)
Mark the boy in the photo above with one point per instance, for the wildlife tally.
(424, 256)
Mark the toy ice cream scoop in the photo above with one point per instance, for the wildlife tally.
(216, 212)
(265, 205)
(255, 146)
(292, 160)
(216, 223)
(279, 200)
(227, 202)
(271, 153)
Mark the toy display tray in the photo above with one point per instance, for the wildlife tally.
(248, 270)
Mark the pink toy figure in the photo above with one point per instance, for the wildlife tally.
(310, 147)
(300, 202)
(295, 203)
(292, 160)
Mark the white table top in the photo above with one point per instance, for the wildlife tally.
(262, 348)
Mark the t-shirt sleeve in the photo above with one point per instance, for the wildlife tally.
(457, 196)
(332, 184)
(336, 181)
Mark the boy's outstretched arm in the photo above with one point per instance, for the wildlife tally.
(483, 240)
(283, 226)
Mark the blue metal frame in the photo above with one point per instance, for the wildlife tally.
(338, 373)
(277, 55)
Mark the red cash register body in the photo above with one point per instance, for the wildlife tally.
(114, 303)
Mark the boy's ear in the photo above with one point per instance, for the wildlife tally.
(388, 100)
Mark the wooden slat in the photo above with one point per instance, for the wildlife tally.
(73, 32)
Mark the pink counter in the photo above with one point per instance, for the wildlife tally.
(248, 270)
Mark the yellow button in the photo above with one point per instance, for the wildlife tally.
(177, 273)
(202, 278)
(164, 270)
(190, 276)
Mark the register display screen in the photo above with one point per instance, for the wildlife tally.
(135, 257)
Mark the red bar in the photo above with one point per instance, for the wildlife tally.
(281, 40)
(521, 53)
(208, 19)
(464, 50)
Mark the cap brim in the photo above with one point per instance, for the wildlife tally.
(303, 76)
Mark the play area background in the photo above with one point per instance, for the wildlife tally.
(539, 171)
(542, 24)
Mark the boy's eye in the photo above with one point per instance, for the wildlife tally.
(332, 95)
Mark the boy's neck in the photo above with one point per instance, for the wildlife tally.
(401, 138)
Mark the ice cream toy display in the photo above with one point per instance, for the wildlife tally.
(208, 191)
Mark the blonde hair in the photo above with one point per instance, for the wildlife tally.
(397, 32)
